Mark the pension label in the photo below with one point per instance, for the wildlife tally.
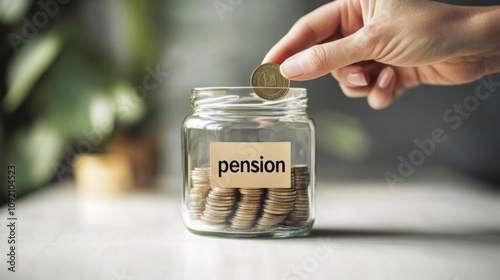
(250, 164)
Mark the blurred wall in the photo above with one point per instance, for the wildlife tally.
(207, 48)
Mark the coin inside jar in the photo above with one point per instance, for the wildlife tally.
(268, 83)
(249, 208)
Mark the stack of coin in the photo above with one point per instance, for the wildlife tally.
(247, 208)
(219, 205)
(300, 212)
(200, 186)
(276, 207)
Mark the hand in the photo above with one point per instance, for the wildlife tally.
(378, 49)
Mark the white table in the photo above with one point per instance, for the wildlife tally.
(444, 227)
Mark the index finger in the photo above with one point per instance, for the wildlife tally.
(306, 32)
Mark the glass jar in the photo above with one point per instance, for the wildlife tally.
(248, 164)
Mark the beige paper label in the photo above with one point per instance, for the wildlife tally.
(250, 164)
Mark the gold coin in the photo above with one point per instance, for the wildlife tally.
(268, 83)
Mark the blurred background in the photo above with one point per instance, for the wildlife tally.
(113, 77)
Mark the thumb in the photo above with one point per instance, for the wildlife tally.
(325, 58)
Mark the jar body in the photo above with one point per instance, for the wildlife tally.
(248, 164)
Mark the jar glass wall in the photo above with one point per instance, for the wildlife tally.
(248, 164)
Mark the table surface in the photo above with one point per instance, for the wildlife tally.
(438, 225)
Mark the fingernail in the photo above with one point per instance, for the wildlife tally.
(356, 79)
(386, 77)
(265, 59)
(292, 68)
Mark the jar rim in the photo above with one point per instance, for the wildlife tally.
(241, 87)
(245, 98)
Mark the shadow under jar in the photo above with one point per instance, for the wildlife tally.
(248, 164)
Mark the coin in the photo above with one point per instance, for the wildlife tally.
(300, 212)
(276, 206)
(247, 208)
(219, 205)
(268, 83)
(198, 191)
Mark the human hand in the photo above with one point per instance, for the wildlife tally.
(378, 49)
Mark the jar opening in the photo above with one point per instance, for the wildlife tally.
(244, 98)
